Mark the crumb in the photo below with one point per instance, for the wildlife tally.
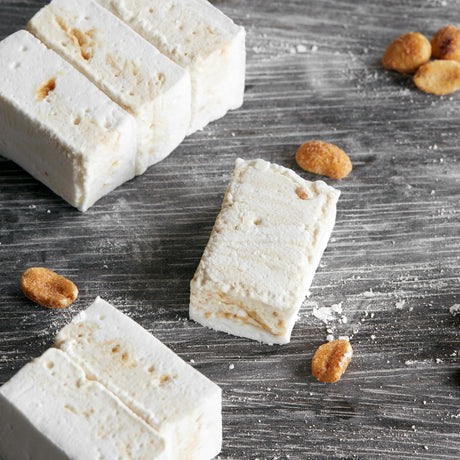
(400, 304)
(301, 48)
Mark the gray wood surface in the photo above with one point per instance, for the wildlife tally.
(313, 72)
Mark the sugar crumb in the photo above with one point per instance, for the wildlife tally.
(400, 304)
(301, 48)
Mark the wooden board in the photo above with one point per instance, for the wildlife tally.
(313, 72)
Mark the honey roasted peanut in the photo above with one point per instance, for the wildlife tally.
(445, 44)
(407, 53)
(323, 158)
(47, 288)
(438, 77)
(330, 360)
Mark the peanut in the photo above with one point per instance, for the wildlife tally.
(438, 77)
(445, 44)
(323, 158)
(407, 53)
(47, 288)
(330, 360)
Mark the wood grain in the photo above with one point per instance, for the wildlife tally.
(313, 72)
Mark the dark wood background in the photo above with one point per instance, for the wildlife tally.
(313, 72)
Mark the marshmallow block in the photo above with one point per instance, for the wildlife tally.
(109, 390)
(170, 395)
(50, 410)
(59, 127)
(263, 252)
(127, 68)
(201, 39)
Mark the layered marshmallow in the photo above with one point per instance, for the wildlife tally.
(109, 390)
(60, 127)
(51, 410)
(263, 252)
(170, 395)
(131, 71)
(199, 38)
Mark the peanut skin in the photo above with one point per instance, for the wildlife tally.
(445, 44)
(323, 158)
(407, 53)
(47, 288)
(438, 77)
(330, 360)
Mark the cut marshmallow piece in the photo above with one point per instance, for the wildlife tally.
(201, 39)
(263, 252)
(126, 67)
(50, 410)
(59, 127)
(174, 398)
(110, 390)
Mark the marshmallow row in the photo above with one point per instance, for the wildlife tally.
(109, 390)
(113, 92)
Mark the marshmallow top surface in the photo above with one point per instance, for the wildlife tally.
(52, 93)
(78, 415)
(134, 365)
(184, 30)
(266, 239)
(263, 252)
(127, 67)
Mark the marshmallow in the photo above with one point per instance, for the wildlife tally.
(201, 39)
(59, 127)
(263, 252)
(131, 71)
